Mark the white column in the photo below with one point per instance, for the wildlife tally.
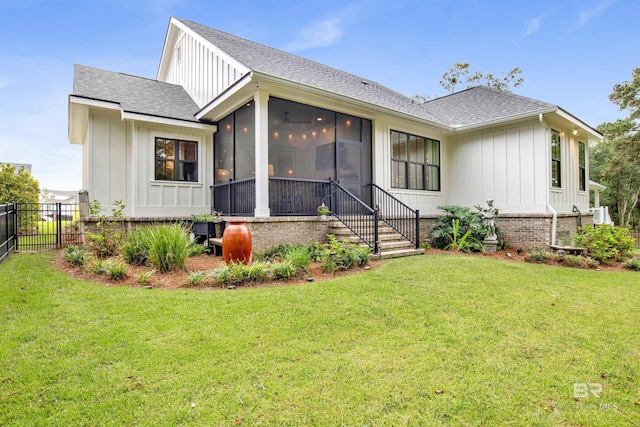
(261, 99)
(596, 198)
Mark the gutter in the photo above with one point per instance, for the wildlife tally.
(502, 120)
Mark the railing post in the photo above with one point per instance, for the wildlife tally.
(376, 246)
(417, 229)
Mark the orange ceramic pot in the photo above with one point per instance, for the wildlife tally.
(236, 242)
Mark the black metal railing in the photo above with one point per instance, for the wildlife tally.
(396, 214)
(235, 198)
(43, 226)
(293, 196)
(355, 215)
(7, 230)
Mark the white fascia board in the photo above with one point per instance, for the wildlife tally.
(78, 119)
(221, 53)
(90, 102)
(504, 120)
(162, 65)
(582, 125)
(225, 95)
(167, 121)
(596, 186)
(341, 98)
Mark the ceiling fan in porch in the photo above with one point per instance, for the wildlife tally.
(286, 120)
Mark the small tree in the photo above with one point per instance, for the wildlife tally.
(20, 187)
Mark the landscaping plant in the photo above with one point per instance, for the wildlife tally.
(169, 246)
(106, 241)
(76, 255)
(461, 229)
(117, 271)
(605, 242)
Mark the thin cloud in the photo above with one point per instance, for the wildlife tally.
(587, 15)
(533, 25)
(317, 34)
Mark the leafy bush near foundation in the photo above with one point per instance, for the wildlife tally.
(460, 229)
(605, 242)
(106, 241)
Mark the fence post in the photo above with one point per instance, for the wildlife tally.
(58, 225)
(376, 249)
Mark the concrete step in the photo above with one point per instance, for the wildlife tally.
(396, 245)
(397, 253)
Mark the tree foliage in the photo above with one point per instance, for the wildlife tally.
(460, 76)
(17, 186)
(614, 161)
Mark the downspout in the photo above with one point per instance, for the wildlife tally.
(554, 214)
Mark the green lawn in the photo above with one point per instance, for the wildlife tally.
(504, 342)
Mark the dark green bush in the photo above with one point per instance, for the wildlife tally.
(632, 264)
(605, 242)
(461, 229)
(541, 255)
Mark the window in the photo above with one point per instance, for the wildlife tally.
(556, 175)
(234, 148)
(582, 165)
(176, 160)
(415, 162)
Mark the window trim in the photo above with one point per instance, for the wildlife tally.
(582, 166)
(557, 160)
(176, 160)
(407, 162)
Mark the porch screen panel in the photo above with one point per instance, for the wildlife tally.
(245, 158)
(224, 151)
(301, 141)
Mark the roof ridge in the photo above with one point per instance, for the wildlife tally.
(363, 79)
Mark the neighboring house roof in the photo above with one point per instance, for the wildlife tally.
(286, 66)
(482, 104)
(134, 94)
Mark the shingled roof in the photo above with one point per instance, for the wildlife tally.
(482, 104)
(134, 94)
(286, 66)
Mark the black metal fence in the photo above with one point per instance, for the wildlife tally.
(235, 197)
(7, 230)
(355, 214)
(636, 235)
(43, 226)
(396, 214)
(292, 196)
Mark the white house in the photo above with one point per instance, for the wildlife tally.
(254, 131)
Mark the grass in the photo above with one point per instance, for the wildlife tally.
(504, 342)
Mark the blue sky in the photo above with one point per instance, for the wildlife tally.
(572, 52)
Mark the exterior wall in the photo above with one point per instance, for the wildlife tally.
(105, 158)
(204, 71)
(563, 199)
(507, 164)
(118, 164)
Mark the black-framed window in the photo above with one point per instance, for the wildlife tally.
(234, 147)
(556, 159)
(415, 162)
(176, 160)
(582, 165)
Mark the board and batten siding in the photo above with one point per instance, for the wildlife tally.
(508, 165)
(204, 72)
(106, 157)
(121, 158)
(564, 198)
(170, 198)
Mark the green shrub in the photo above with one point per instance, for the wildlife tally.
(461, 229)
(170, 246)
(136, 249)
(299, 257)
(197, 249)
(361, 255)
(284, 270)
(106, 241)
(605, 242)
(76, 255)
(341, 255)
(541, 255)
(632, 264)
(196, 278)
(144, 277)
(273, 254)
(117, 271)
(100, 266)
(240, 274)
(579, 261)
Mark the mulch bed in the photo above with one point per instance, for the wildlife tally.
(177, 279)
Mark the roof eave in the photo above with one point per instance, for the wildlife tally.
(504, 120)
(343, 98)
(224, 95)
(570, 117)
